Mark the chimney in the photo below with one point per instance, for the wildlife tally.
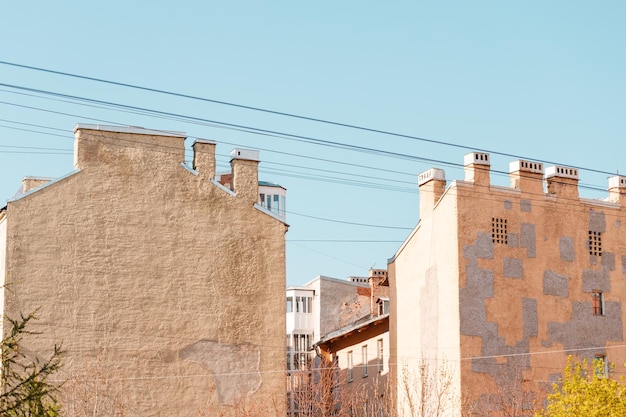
(562, 181)
(526, 176)
(477, 168)
(432, 184)
(245, 170)
(30, 183)
(379, 286)
(617, 189)
(204, 157)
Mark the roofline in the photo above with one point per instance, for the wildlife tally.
(351, 328)
(129, 129)
(339, 280)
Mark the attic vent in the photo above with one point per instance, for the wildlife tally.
(499, 230)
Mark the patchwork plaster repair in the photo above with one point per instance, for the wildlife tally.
(513, 268)
(479, 287)
(566, 249)
(555, 284)
(584, 330)
(227, 362)
(527, 238)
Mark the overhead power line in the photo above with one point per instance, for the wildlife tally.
(285, 114)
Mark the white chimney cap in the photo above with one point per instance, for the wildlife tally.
(476, 158)
(561, 172)
(617, 181)
(431, 174)
(249, 154)
(526, 166)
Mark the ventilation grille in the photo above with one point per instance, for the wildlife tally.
(498, 230)
(595, 243)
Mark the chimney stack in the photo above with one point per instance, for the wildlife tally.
(617, 189)
(432, 184)
(245, 170)
(562, 181)
(526, 176)
(477, 167)
(204, 157)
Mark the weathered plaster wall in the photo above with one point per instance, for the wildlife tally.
(340, 303)
(532, 294)
(170, 281)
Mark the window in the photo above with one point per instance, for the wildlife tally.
(303, 304)
(597, 302)
(276, 207)
(289, 304)
(381, 363)
(364, 351)
(383, 307)
(498, 230)
(601, 366)
(595, 243)
(350, 364)
(301, 348)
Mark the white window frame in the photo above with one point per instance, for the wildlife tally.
(364, 360)
(350, 367)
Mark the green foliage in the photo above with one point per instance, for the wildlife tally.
(26, 391)
(586, 391)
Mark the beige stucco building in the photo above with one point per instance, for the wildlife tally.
(497, 285)
(165, 287)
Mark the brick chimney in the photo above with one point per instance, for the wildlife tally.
(562, 181)
(379, 285)
(204, 157)
(477, 167)
(432, 184)
(526, 176)
(617, 189)
(245, 170)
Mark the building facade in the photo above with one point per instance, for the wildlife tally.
(359, 354)
(498, 285)
(151, 271)
(322, 305)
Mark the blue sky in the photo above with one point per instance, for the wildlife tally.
(539, 80)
